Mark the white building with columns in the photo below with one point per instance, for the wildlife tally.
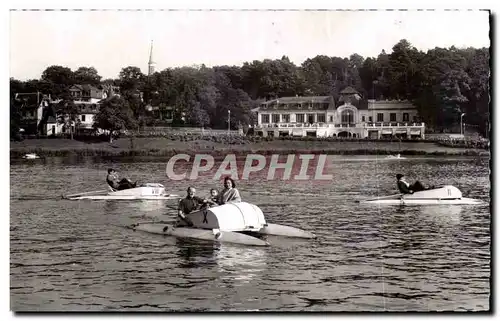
(321, 116)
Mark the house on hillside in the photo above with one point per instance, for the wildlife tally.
(87, 99)
(349, 116)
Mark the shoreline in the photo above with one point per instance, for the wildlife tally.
(162, 147)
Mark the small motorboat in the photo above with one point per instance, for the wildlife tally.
(148, 191)
(31, 156)
(398, 156)
(240, 223)
(446, 195)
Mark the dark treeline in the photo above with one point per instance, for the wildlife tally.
(442, 83)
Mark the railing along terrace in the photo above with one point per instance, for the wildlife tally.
(292, 125)
(393, 124)
(183, 130)
(341, 125)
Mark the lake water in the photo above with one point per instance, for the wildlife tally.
(77, 255)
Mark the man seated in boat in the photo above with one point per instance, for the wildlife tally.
(405, 188)
(115, 184)
(187, 205)
(229, 194)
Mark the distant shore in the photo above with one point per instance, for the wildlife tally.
(159, 146)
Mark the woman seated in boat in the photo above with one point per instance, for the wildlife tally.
(405, 188)
(187, 205)
(115, 184)
(229, 194)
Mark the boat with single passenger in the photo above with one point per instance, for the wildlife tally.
(446, 195)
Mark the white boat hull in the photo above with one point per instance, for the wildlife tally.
(149, 191)
(446, 195)
(402, 201)
(199, 234)
(287, 231)
(125, 197)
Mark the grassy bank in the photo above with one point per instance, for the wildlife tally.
(159, 146)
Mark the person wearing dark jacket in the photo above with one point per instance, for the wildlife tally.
(187, 205)
(405, 188)
(117, 184)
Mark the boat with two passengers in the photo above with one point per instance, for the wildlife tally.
(446, 195)
(240, 223)
(148, 191)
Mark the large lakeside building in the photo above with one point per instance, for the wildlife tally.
(320, 116)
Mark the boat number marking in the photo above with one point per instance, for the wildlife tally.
(205, 213)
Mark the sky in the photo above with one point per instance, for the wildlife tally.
(112, 40)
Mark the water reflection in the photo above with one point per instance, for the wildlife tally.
(237, 264)
(441, 215)
(241, 264)
(146, 206)
(112, 207)
(196, 253)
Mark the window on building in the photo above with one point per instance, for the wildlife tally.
(265, 119)
(331, 119)
(83, 118)
(380, 117)
(276, 118)
(406, 117)
(300, 118)
(414, 119)
(362, 118)
(168, 114)
(321, 118)
(392, 116)
(285, 118)
(370, 119)
(347, 117)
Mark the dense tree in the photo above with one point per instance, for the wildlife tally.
(131, 79)
(87, 75)
(114, 115)
(58, 75)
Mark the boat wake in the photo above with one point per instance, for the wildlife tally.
(35, 198)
